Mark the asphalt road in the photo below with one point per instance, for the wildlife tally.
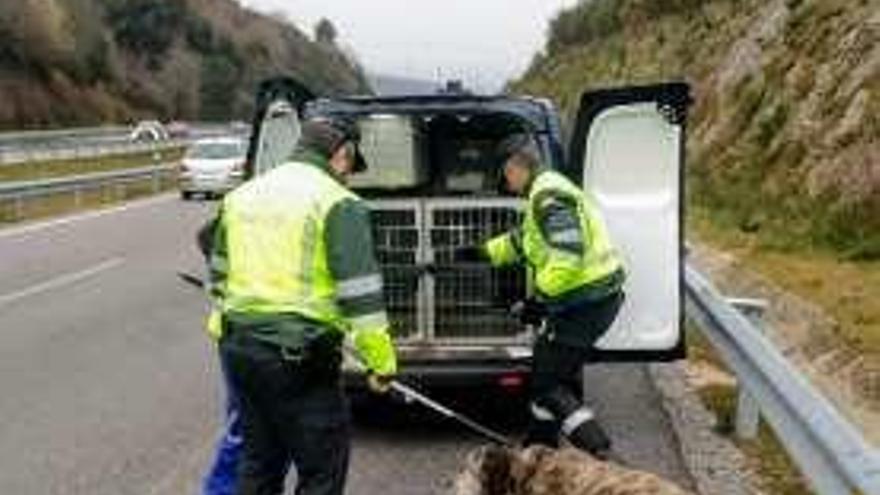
(108, 385)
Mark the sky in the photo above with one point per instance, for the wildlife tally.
(483, 42)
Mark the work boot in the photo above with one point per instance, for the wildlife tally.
(590, 437)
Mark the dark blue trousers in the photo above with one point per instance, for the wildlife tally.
(293, 414)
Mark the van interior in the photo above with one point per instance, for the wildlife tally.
(433, 155)
(434, 184)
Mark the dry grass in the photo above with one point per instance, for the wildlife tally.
(849, 291)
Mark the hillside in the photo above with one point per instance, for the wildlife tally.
(75, 62)
(785, 130)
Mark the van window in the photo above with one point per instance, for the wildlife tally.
(394, 150)
(433, 155)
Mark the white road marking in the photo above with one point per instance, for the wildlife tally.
(34, 227)
(60, 281)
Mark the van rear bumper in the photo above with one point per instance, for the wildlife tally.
(458, 367)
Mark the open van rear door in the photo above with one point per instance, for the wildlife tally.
(627, 151)
(276, 129)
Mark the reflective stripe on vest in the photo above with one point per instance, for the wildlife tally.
(558, 272)
(275, 228)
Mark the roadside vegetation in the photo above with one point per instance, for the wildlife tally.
(79, 62)
(783, 131)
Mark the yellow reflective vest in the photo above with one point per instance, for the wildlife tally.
(559, 272)
(276, 259)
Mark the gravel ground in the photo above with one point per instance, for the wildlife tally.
(717, 466)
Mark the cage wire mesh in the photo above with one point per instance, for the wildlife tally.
(430, 292)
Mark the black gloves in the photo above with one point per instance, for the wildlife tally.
(530, 311)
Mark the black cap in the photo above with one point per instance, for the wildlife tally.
(326, 135)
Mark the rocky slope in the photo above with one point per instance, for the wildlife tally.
(785, 130)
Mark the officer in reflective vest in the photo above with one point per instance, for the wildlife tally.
(578, 279)
(293, 269)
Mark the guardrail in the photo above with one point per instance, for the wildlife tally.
(89, 142)
(828, 449)
(69, 150)
(39, 137)
(113, 183)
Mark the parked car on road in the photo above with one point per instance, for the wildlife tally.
(212, 167)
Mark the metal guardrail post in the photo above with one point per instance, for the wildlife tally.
(19, 207)
(157, 181)
(748, 411)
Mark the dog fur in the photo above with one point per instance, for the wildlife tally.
(543, 471)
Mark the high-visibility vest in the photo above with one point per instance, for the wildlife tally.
(558, 272)
(274, 230)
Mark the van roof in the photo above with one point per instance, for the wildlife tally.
(539, 113)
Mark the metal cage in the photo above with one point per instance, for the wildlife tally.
(430, 294)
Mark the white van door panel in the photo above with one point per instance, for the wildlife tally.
(276, 126)
(628, 154)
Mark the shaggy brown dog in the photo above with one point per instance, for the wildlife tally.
(542, 471)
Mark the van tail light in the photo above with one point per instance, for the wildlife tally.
(512, 382)
(238, 168)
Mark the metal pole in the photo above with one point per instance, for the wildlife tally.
(19, 207)
(410, 393)
(748, 412)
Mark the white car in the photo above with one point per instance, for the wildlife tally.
(212, 167)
